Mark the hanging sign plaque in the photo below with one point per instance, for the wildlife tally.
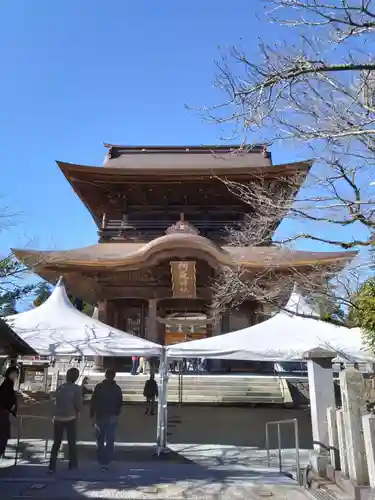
(183, 279)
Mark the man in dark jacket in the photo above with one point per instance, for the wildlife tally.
(150, 392)
(105, 408)
(8, 405)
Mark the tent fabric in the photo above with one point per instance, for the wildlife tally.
(58, 328)
(284, 337)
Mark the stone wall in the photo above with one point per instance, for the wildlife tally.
(200, 425)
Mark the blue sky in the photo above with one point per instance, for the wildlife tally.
(76, 74)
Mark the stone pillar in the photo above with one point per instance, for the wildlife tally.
(353, 402)
(342, 442)
(333, 437)
(368, 422)
(152, 324)
(322, 396)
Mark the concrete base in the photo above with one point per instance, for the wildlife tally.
(351, 489)
(319, 463)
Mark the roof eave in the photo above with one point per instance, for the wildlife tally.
(256, 147)
(68, 169)
(46, 259)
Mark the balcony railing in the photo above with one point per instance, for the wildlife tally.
(117, 229)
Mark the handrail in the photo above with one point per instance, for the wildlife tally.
(20, 419)
(278, 423)
(82, 374)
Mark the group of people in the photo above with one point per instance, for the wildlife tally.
(105, 408)
(140, 365)
(186, 365)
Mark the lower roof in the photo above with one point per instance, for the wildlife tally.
(123, 254)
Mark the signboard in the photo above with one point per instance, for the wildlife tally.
(177, 337)
(183, 279)
(34, 378)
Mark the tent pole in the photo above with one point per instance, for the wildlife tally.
(160, 423)
(165, 403)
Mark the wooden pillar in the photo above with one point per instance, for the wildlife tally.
(225, 322)
(102, 313)
(102, 307)
(143, 320)
(152, 324)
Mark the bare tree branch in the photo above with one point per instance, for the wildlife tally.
(314, 93)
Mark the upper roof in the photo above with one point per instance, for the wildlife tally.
(97, 187)
(116, 150)
(186, 157)
(236, 168)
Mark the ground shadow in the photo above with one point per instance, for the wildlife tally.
(188, 479)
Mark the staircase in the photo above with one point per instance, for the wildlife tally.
(205, 389)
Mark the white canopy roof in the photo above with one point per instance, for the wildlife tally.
(58, 328)
(284, 337)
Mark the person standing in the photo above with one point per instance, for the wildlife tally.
(150, 392)
(134, 365)
(86, 391)
(105, 408)
(68, 405)
(142, 365)
(8, 405)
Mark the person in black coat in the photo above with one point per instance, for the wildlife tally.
(8, 405)
(150, 392)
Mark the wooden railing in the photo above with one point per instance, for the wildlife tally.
(114, 228)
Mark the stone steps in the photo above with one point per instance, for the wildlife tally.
(205, 389)
(212, 399)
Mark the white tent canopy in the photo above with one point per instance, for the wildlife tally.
(58, 328)
(284, 337)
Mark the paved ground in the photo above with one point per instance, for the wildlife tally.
(189, 471)
(151, 481)
(234, 467)
(241, 426)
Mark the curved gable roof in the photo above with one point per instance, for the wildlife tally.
(120, 254)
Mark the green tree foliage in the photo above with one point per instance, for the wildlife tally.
(88, 309)
(329, 306)
(44, 290)
(362, 313)
(12, 287)
(332, 312)
(8, 308)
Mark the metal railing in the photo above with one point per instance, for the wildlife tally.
(20, 420)
(278, 424)
(83, 373)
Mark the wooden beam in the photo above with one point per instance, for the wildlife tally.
(113, 292)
